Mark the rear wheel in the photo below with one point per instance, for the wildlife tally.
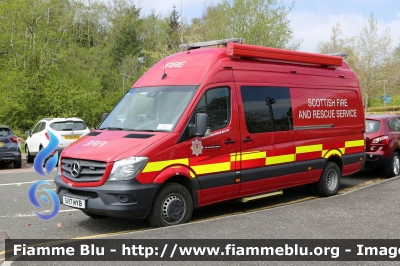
(328, 184)
(393, 169)
(29, 157)
(173, 205)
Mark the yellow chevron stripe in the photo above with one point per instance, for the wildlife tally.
(354, 143)
(212, 168)
(332, 152)
(280, 159)
(158, 166)
(308, 148)
(253, 155)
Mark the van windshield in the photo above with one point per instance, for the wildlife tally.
(150, 109)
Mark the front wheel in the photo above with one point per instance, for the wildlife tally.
(393, 169)
(173, 205)
(328, 184)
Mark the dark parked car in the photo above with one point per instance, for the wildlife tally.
(10, 149)
(383, 143)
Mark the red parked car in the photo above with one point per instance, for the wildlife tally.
(383, 142)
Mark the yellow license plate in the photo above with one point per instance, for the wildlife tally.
(71, 137)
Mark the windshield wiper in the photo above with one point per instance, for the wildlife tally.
(111, 128)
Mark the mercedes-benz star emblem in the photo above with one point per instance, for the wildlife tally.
(75, 169)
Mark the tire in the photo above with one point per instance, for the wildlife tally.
(29, 158)
(393, 169)
(328, 184)
(94, 216)
(173, 205)
(17, 164)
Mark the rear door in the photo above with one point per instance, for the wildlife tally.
(37, 138)
(394, 131)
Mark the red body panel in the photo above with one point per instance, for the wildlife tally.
(326, 112)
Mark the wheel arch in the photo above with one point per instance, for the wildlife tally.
(337, 160)
(181, 175)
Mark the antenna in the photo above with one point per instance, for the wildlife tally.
(165, 74)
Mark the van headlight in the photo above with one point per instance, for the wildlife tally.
(127, 168)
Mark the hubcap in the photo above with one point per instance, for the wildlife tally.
(173, 209)
(331, 180)
(396, 165)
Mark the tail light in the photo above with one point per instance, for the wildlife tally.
(14, 139)
(47, 136)
(381, 140)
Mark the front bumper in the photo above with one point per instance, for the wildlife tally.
(376, 160)
(105, 199)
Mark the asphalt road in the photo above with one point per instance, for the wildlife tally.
(18, 220)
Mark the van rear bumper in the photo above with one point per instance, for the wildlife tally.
(127, 199)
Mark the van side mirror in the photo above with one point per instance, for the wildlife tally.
(28, 132)
(104, 116)
(202, 125)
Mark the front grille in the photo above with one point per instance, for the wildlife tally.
(81, 193)
(89, 171)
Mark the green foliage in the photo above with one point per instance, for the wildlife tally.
(64, 58)
(392, 109)
(259, 22)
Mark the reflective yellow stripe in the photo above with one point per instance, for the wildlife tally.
(354, 143)
(332, 152)
(158, 166)
(253, 155)
(211, 168)
(235, 157)
(309, 148)
(342, 150)
(280, 159)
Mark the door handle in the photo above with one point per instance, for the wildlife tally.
(247, 140)
(229, 141)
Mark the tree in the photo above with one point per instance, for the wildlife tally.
(173, 30)
(259, 22)
(371, 52)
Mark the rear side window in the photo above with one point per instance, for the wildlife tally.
(372, 126)
(68, 126)
(394, 124)
(267, 109)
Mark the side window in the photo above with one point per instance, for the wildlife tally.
(267, 109)
(394, 124)
(36, 128)
(42, 126)
(216, 103)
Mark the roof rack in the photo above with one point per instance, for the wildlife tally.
(190, 46)
(253, 51)
(341, 54)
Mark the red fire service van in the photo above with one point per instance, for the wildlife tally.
(211, 124)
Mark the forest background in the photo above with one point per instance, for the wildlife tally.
(66, 58)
